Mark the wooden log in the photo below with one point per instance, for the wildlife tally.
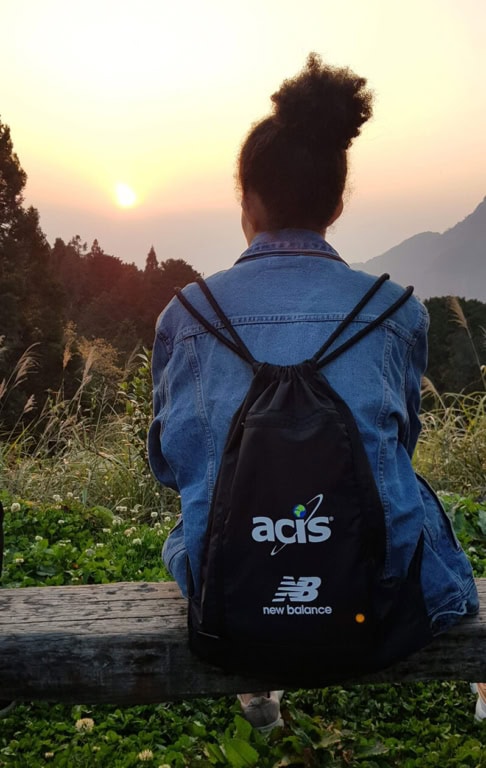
(126, 643)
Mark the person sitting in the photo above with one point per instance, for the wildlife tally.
(285, 294)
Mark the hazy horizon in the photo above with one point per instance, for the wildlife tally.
(212, 240)
(113, 104)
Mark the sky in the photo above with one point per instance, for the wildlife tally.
(157, 96)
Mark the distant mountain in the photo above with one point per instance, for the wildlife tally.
(452, 263)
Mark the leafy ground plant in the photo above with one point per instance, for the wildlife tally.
(387, 726)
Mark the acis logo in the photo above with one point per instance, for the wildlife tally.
(302, 528)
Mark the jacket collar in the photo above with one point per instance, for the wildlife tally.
(289, 241)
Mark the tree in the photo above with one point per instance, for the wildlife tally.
(177, 273)
(31, 310)
(12, 183)
(151, 263)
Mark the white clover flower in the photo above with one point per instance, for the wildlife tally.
(117, 521)
(70, 495)
(121, 509)
(15, 507)
(61, 521)
(156, 525)
(84, 724)
(98, 545)
(137, 542)
(47, 755)
(106, 530)
(38, 538)
(19, 560)
(90, 552)
(145, 754)
(167, 519)
(57, 498)
(154, 515)
(129, 531)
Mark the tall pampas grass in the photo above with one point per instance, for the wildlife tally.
(26, 364)
(451, 452)
(457, 312)
(95, 454)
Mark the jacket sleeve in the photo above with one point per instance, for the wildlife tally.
(413, 383)
(161, 405)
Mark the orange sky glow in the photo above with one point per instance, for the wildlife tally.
(157, 96)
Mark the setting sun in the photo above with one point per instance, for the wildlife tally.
(125, 196)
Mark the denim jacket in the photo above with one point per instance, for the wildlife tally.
(285, 295)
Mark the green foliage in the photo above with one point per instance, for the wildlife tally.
(387, 726)
(468, 518)
(65, 542)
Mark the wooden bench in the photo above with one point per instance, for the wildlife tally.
(126, 644)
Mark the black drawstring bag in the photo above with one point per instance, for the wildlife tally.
(291, 580)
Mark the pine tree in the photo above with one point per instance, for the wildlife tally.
(151, 263)
(31, 309)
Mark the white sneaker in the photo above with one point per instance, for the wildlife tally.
(480, 713)
(6, 707)
(263, 712)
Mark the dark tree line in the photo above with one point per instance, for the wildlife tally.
(107, 298)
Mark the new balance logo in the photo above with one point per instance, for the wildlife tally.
(304, 590)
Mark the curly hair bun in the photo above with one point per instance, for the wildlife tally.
(323, 104)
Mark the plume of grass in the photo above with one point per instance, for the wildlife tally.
(429, 390)
(459, 318)
(26, 364)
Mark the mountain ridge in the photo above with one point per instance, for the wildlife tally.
(440, 264)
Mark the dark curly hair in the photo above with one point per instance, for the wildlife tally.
(295, 159)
